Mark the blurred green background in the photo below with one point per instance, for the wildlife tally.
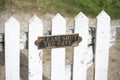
(66, 7)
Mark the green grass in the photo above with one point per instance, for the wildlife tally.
(117, 47)
(68, 7)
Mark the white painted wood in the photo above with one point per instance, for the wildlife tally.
(79, 61)
(89, 57)
(12, 49)
(58, 54)
(35, 55)
(102, 46)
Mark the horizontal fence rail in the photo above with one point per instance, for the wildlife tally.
(24, 37)
(95, 44)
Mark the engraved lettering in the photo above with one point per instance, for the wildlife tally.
(58, 41)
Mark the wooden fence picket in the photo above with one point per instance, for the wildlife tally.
(79, 61)
(35, 55)
(12, 49)
(102, 46)
(58, 54)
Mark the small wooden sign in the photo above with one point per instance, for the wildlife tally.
(56, 41)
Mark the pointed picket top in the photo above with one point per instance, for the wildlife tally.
(102, 46)
(58, 55)
(35, 19)
(79, 58)
(12, 39)
(35, 61)
(103, 14)
(81, 21)
(58, 21)
(81, 15)
(12, 21)
(103, 20)
(58, 17)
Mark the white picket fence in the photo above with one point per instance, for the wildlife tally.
(80, 54)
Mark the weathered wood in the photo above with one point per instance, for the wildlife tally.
(23, 40)
(12, 49)
(1, 37)
(79, 60)
(102, 46)
(35, 55)
(58, 55)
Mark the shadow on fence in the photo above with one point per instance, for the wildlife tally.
(23, 66)
(2, 67)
